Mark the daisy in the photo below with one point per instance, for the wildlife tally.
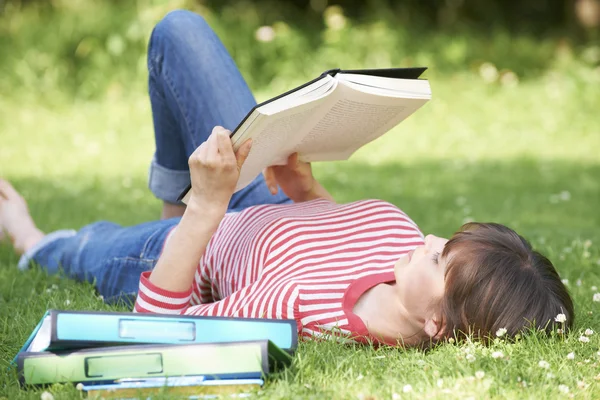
(563, 388)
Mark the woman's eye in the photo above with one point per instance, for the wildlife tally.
(436, 257)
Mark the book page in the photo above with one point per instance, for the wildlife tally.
(410, 88)
(273, 138)
(42, 339)
(353, 120)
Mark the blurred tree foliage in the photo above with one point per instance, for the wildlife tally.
(532, 16)
(537, 16)
(89, 48)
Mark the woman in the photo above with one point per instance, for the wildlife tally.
(361, 269)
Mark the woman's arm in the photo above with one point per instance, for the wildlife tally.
(214, 170)
(178, 262)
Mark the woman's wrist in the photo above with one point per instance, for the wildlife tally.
(206, 209)
(316, 191)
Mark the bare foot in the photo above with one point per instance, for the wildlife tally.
(15, 219)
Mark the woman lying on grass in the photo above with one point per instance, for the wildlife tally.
(362, 269)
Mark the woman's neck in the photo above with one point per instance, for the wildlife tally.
(386, 317)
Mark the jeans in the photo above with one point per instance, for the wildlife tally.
(194, 85)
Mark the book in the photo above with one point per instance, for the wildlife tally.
(328, 118)
(234, 360)
(194, 387)
(59, 330)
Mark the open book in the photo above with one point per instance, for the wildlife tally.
(327, 119)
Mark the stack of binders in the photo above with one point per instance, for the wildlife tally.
(124, 355)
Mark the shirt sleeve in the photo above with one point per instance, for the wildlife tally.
(152, 299)
(249, 302)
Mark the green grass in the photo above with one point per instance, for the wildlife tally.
(525, 155)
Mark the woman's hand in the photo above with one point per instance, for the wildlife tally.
(295, 179)
(215, 169)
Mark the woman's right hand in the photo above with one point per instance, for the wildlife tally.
(215, 169)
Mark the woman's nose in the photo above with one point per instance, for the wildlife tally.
(429, 239)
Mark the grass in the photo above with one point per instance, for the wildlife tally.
(523, 153)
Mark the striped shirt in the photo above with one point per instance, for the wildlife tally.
(307, 261)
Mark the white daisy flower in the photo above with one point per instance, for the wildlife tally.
(470, 358)
(544, 364)
(560, 318)
(497, 354)
(407, 389)
(479, 374)
(571, 356)
(47, 396)
(79, 386)
(501, 332)
(563, 389)
(596, 297)
(584, 339)
(589, 332)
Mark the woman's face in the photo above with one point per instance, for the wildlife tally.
(420, 277)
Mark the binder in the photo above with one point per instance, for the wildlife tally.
(233, 360)
(60, 330)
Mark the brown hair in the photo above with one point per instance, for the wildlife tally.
(494, 279)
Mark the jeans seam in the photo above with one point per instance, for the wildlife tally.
(145, 247)
(136, 259)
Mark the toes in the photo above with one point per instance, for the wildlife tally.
(7, 190)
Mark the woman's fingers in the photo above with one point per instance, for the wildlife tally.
(270, 180)
(223, 140)
(292, 162)
(243, 152)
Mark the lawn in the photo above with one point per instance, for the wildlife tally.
(519, 152)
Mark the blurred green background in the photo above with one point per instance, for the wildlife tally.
(511, 135)
(89, 49)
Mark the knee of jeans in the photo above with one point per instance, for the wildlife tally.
(178, 28)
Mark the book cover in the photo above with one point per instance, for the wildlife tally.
(239, 360)
(59, 330)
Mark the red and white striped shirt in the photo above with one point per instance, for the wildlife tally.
(307, 261)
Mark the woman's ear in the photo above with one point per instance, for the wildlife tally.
(433, 328)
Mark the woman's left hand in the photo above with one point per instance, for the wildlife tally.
(295, 178)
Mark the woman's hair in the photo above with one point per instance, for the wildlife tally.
(494, 279)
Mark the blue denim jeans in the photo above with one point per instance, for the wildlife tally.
(194, 85)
